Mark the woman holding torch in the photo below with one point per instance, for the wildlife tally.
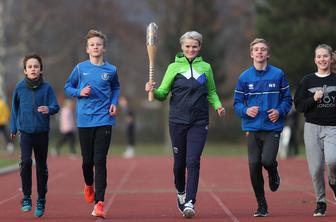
(191, 83)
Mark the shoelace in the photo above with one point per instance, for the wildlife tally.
(189, 204)
(26, 202)
(40, 205)
(181, 198)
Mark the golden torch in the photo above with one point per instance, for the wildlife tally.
(152, 42)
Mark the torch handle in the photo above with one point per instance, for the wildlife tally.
(151, 49)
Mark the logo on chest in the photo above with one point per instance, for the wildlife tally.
(327, 99)
(201, 78)
(105, 76)
(271, 85)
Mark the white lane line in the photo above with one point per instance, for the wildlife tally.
(219, 202)
(309, 193)
(120, 184)
(9, 199)
(60, 175)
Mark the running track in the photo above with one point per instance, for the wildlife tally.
(141, 189)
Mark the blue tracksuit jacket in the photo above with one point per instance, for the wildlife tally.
(93, 110)
(268, 89)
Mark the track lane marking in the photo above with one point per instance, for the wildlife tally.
(309, 193)
(219, 201)
(120, 184)
(60, 175)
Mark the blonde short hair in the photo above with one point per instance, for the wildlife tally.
(192, 35)
(95, 33)
(259, 40)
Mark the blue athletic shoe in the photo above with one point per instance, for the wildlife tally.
(40, 207)
(26, 204)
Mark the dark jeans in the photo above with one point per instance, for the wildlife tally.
(39, 143)
(262, 152)
(188, 142)
(95, 142)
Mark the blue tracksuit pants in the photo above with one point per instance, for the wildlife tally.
(188, 142)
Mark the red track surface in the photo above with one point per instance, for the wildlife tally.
(141, 189)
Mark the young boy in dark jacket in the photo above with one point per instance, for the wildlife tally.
(33, 102)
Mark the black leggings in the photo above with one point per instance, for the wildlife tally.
(262, 152)
(95, 142)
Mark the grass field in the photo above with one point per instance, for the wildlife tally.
(160, 149)
(148, 150)
(7, 162)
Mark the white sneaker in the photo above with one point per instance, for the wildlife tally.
(181, 201)
(129, 153)
(189, 210)
(10, 147)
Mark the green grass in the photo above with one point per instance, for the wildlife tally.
(7, 162)
(161, 150)
(233, 149)
(154, 150)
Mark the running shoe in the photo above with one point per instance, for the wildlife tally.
(333, 187)
(89, 194)
(274, 180)
(98, 210)
(262, 209)
(320, 210)
(181, 201)
(26, 204)
(189, 210)
(40, 207)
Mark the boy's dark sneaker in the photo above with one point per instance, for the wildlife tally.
(320, 210)
(181, 201)
(262, 210)
(40, 207)
(26, 204)
(274, 180)
(333, 187)
(189, 210)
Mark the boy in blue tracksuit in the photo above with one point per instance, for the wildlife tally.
(95, 84)
(262, 99)
(33, 102)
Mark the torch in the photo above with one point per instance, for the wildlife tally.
(152, 41)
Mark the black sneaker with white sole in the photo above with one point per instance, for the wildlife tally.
(262, 210)
(333, 187)
(181, 201)
(189, 210)
(274, 180)
(320, 210)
